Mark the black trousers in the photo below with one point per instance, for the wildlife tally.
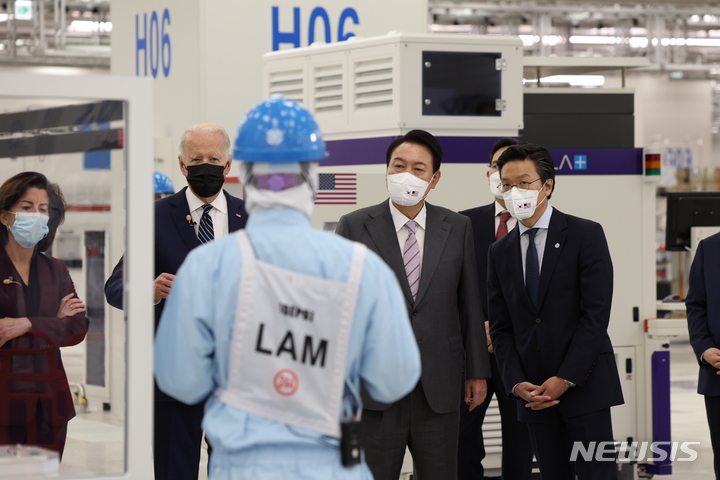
(431, 438)
(517, 453)
(177, 440)
(712, 407)
(553, 439)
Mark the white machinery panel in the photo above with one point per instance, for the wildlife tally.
(388, 85)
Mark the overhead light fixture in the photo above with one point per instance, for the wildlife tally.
(576, 80)
(87, 26)
(595, 39)
(460, 12)
(529, 40)
(572, 80)
(639, 42)
(552, 40)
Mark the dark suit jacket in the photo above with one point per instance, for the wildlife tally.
(566, 335)
(703, 310)
(483, 227)
(446, 315)
(174, 238)
(25, 379)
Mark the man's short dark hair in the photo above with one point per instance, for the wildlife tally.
(502, 143)
(526, 152)
(418, 137)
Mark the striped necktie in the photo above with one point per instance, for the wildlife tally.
(411, 258)
(206, 232)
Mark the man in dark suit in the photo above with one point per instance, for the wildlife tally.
(431, 251)
(703, 314)
(490, 223)
(549, 297)
(183, 221)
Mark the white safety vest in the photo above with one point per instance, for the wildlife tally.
(290, 343)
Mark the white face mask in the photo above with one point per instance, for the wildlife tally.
(522, 205)
(406, 189)
(495, 182)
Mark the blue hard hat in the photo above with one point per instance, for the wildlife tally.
(278, 130)
(162, 183)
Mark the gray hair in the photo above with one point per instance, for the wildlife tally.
(208, 128)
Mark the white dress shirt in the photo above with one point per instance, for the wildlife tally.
(399, 220)
(218, 214)
(511, 222)
(540, 237)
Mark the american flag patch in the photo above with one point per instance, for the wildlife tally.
(337, 189)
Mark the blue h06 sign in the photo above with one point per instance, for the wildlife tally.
(153, 42)
(318, 14)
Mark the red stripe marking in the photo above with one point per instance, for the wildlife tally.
(406, 250)
(88, 208)
(411, 259)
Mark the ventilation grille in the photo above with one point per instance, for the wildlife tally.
(492, 428)
(373, 83)
(289, 83)
(328, 88)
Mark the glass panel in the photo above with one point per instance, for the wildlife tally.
(460, 84)
(62, 372)
(95, 304)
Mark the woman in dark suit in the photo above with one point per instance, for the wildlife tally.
(39, 313)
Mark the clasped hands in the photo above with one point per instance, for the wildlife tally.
(540, 397)
(712, 356)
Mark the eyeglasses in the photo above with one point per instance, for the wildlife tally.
(522, 186)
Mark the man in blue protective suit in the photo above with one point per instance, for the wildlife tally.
(279, 322)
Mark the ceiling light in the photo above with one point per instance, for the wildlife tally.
(595, 39)
(576, 80)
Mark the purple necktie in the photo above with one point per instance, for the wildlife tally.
(411, 258)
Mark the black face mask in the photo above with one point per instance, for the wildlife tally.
(205, 180)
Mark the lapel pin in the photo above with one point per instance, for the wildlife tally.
(238, 215)
(557, 245)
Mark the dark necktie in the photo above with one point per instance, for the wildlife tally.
(502, 227)
(532, 268)
(206, 232)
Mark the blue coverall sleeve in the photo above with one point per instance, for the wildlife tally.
(390, 359)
